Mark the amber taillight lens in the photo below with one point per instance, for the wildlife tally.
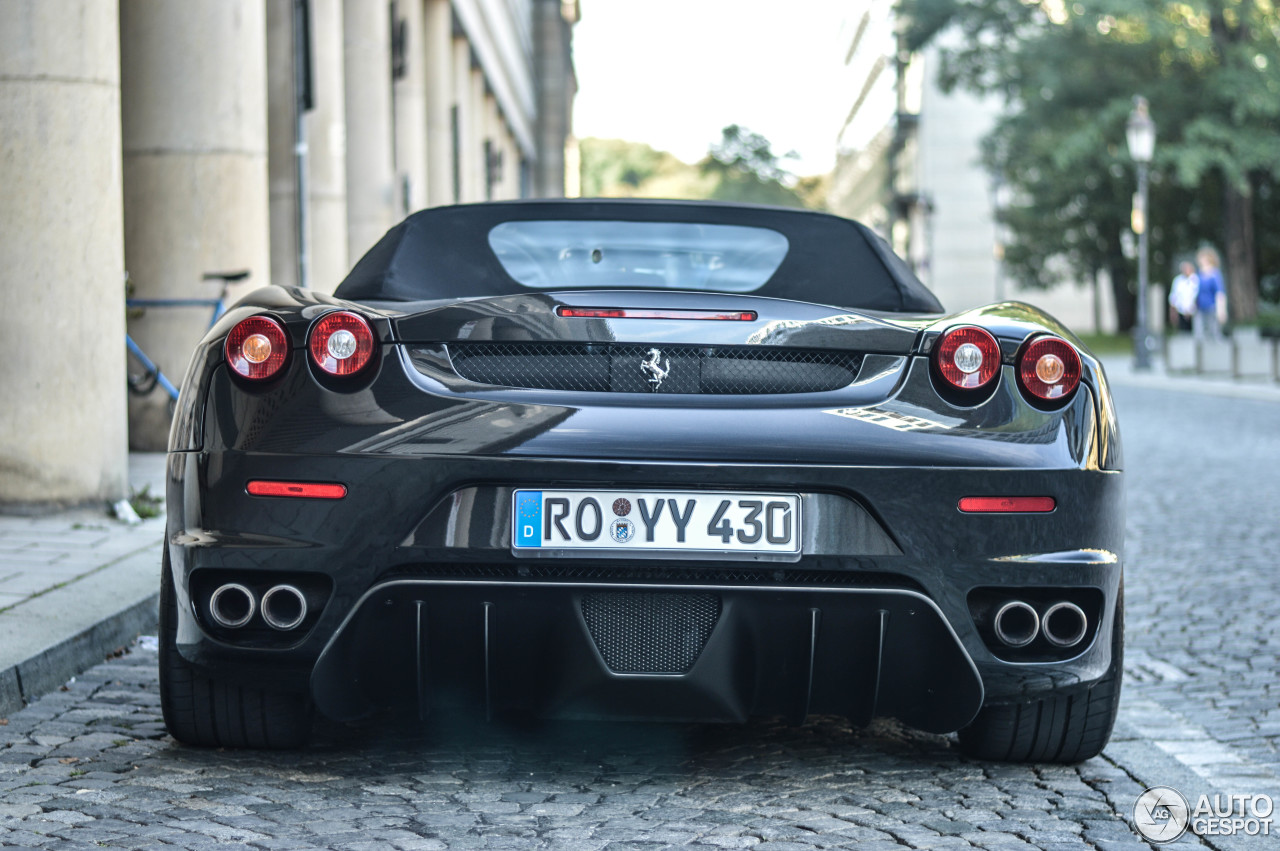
(257, 348)
(968, 358)
(1049, 369)
(341, 343)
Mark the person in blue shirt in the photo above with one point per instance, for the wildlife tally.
(1211, 297)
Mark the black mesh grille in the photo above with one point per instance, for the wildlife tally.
(640, 632)
(613, 368)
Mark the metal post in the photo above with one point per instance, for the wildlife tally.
(1141, 331)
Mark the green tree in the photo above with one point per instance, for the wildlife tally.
(747, 170)
(740, 167)
(1067, 70)
(612, 167)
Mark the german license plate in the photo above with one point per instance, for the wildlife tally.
(616, 522)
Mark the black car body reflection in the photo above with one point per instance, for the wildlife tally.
(643, 459)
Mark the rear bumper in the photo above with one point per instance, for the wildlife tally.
(529, 647)
(417, 560)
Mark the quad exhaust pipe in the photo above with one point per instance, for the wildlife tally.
(1064, 624)
(284, 607)
(233, 605)
(1017, 623)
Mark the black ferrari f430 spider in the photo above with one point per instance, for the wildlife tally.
(658, 460)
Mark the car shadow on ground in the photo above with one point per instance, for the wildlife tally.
(457, 744)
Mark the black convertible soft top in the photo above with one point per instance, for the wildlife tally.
(445, 252)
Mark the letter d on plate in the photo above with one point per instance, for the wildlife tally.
(528, 518)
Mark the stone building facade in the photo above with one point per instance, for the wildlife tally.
(152, 141)
(908, 164)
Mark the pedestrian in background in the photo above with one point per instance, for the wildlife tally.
(1211, 297)
(1182, 297)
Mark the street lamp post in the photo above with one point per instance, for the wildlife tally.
(1140, 133)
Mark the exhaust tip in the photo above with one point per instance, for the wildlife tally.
(284, 607)
(1065, 624)
(1016, 624)
(232, 605)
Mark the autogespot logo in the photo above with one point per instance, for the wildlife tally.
(1161, 814)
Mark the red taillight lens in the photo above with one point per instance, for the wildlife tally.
(257, 348)
(1049, 369)
(968, 357)
(1007, 504)
(304, 490)
(341, 343)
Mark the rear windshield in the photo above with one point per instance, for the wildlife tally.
(576, 254)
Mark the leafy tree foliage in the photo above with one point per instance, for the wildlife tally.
(619, 169)
(1067, 71)
(741, 167)
(747, 170)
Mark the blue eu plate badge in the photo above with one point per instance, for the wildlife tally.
(528, 518)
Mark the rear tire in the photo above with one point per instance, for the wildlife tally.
(1064, 728)
(200, 710)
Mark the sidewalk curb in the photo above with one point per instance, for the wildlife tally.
(48, 670)
(129, 605)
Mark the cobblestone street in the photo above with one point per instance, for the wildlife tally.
(91, 765)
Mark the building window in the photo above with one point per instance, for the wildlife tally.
(455, 132)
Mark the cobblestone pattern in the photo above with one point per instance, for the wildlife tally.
(91, 766)
(1202, 590)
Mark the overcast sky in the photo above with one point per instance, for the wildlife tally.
(672, 73)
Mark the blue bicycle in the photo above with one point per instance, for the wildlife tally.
(151, 376)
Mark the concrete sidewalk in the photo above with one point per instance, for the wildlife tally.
(1120, 372)
(76, 586)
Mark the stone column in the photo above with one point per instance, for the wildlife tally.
(62, 422)
(371, 193)
(556, 85)
(326, 147)
(438, 53)
(465, 153)
(327, 143)
(281, 156)
(195, 177)
(410, 106)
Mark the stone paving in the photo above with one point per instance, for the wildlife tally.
(1202, 585)
(91, 766)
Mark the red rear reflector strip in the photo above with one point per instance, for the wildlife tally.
(306, 490)
(1007, 504)
(632, 313)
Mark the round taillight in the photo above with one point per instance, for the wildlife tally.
(341, 343)
(968, 357)
(1049, 369)
(257, 348)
